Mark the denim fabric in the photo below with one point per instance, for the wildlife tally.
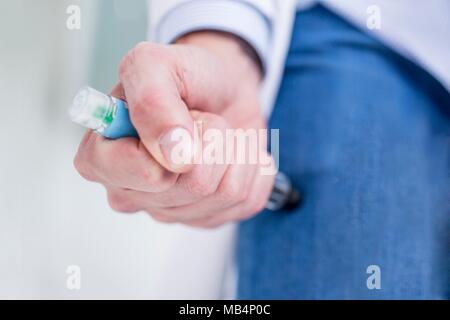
(366, 135)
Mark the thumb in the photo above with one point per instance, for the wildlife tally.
(156, 107)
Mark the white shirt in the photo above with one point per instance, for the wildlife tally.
(417, 29)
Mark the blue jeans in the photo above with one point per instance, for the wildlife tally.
(365, 134)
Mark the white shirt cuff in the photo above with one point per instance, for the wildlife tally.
(233, 16)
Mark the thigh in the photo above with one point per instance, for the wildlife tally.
(365, 134)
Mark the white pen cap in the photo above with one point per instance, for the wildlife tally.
(91, 109)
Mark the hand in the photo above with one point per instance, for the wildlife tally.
(168, 89)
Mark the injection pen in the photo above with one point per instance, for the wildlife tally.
(109, 117)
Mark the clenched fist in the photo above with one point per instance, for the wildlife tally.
(207, 82)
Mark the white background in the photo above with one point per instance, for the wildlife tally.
(51, 218)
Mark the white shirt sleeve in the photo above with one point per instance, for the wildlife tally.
(249, 20)
(264, 24)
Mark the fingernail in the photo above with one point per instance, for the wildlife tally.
(177, 146)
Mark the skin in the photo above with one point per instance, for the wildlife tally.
(208, 76)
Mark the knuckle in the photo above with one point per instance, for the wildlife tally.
(149, 177)
(200, 187)
(82, 160)
(144, 50)
(129, 59)
(118, 202)
(125, 63)
(142, 46)
(158, 179)
(83, 168)
(233, 192)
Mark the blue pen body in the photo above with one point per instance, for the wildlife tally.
(121, 125)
